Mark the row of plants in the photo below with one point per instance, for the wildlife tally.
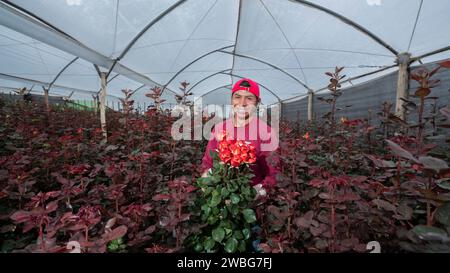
(342, 183)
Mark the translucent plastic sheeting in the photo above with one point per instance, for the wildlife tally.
(13, 85)
(306, 42)
(105, 26)
(198, 74)
(355, 64)
(391, 20)
(348, 84)
(120, 83)
(302, 41)
(188, 32)
(140, 95)
(218, 96)
(278, 82)
(394, 20)
(22, 56)
(37, 85)
(207, 85)
(433, 25)
(63, 92)
(357, 81)
(80, 74)
(32, 26)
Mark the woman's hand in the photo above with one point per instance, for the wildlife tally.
(260, 191)
(206, 173)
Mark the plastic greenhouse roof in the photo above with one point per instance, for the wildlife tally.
(285, 45)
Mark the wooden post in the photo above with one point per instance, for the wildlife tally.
(403, 60)
(102, 104)
(47, 104)
(310, 105)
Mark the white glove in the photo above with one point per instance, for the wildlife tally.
(260, 191)
(207, 173)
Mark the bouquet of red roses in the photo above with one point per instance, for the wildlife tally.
(226, 198)
(235, 152)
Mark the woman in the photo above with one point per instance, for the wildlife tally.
(244, 124)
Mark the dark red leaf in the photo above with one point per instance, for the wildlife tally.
(445, 64)
(115, 233)
(399, 151)
(20, 216)
(160, 197)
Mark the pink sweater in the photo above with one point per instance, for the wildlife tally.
(265, 142)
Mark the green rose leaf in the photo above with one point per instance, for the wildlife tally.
(246, 233)
(249, 215)
(218, 234)
(238, 235)
(444, 183)
(231, 245)
(235, 198)
(443, 214)
(198, 247)
(208, 244)
(224, 192)
(242, 246)
(430, 233)
(215, 200)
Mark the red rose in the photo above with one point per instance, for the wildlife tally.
(235, 152)
(235, 161)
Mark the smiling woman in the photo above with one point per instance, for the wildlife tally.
(246, 126)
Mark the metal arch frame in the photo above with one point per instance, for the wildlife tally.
(142, 32)
(31, 90)
(412, 60)
(108, 81)
(144, 85)
(347, 80)
(223, 72)
(40, 83)
(348, 22)
(271, 65)
(210, 91)
(221, 50)
(88, 51)
(207, 77)
(287, 40)
(437, 51)
(237, 34)
(61, 37)
(263, 86)
(135, 90)
(60, 72)
(38, 18)
(191, 63)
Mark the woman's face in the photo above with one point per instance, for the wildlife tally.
(244, 104)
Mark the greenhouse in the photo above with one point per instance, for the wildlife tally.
(112, 113)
